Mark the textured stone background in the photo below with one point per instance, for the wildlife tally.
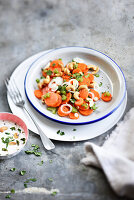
(30, 26)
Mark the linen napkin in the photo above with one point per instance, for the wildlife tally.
(116, 157)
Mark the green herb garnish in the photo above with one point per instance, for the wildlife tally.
(60, 132)
(49, 72)
(12, 128)
(74, 110)
(60, 58)
(53, 64)
(94, 107)
(56, 71)
(25, 185)
(100, 84)
(17, 141)
(37, 80)
(8, 196)
(7, 133)
(107, 94)
(53, 193)
(52, 109)
(4, 149)
(97, 75)
(47, 95)
(72, 100)
(22, 173)
(12, 191)
(85, 105)
(19, 130)
(24, 140)
(86, 76)
(12, 169)
(74, 129)
(64, 97)
(31, 179)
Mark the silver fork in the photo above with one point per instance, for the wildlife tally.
(18, 101)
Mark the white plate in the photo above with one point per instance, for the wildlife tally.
(50, 127)
(110, 75)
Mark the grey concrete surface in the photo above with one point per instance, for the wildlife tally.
(30, 26)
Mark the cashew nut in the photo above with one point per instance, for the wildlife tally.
(3, 128)
(59, 74)
(46, 80)
(83, 87)
(70, 87)
(66, 71)
(76, 95)
(94, 68)
(70, 66)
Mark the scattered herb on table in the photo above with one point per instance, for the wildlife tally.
(34, 150)
(24, 140)
(12, 169)
(37, 80)
(41, 163)
(50, 161)
(8, 196)
(12, 191)
(54, 193)
(30, 179)
(25, 185)
(22, 173)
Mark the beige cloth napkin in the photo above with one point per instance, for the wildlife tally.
(116, 157)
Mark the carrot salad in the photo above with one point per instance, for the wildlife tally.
(70, 90)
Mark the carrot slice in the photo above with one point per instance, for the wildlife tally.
(52, 100)
(83, 93)
(66, 77)
(45, 90)
(38, 94)
(73, 115)
(69, 95)
(82, 107)
(59, 101)
(83, 82)
(106, 98)
(78, 70)
(79, 102)
(56, 64)
(91, 77)
(82, 66)
(96, 94)
(86, 112)
(60, 113)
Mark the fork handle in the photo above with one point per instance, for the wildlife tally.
(45, 140)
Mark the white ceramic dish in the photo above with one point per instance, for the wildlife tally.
(110, 75)
(10, 118)
(83, 132)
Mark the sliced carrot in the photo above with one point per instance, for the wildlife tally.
(82, 107)
(83, 82)
(59, 101)
(82, 66)
(91, 77)
(86, 112)
(45, 90)
(106, 98)
(60, 113)
(96, 94)
(83, 93)
(56, 63)
(69, 95)
(78, 70)
(66, 77)
(38, 94)
(52, 100)
(79, 102)
(73, 115)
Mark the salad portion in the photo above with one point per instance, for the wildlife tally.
(70, 90)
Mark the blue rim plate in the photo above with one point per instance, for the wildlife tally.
(110, 74)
